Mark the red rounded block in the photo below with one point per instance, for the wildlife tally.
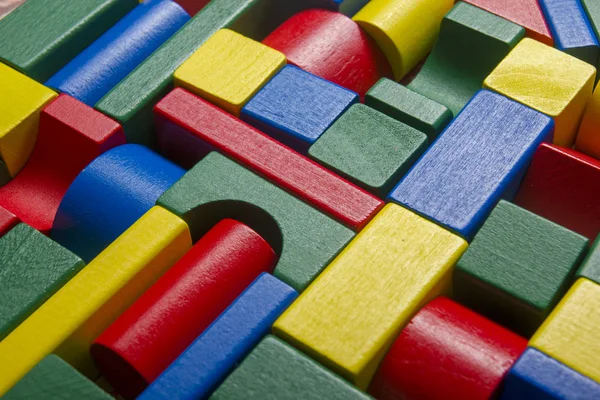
(152, 333)
(447, 352)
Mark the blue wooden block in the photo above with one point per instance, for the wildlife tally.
(479, 159)
(101, 66)
(208, 361)
(296, 107)
(536, 376)
(571, 29)
(109, 195)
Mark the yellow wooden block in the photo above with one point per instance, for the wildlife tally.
(588, 138)
(21, 100)
(405, 30)
(570, 334)
(81, 310)
(349, 316)
(546, 80)
(229, 69)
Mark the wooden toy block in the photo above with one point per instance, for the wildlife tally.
(546, 80)
(404, 29)
(411, 108)
(304, 239)
(8, 6)
(41, 36)
(109, 195)
(20, 105)
(229, 69)
(33, 268)
(332, 46)
(192, 6)
(479, 159)
(451, 75)
(559, 186)
(535, 376)
(369, 148)
(517, 268)
(570, 333)
(211, 357)
(189, 127)
(588, 138)
(167, 318)
(103, 64)
(68, 322)
(590, 268)
(7, 221)
(296, 107)
(54, 379)
(571, 29)
(349, 316)
(447, 352)
(592, 9)
(71, 135)
(274, 369)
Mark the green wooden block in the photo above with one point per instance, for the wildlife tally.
(592, 8)
(218, 188)
(54, 379)
(517, 268)
(32, 268)
(472, 42)
(369, 148)
(411, 108)
(275, 370)
(590, 268)
(42, 36)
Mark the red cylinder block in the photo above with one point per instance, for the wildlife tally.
(152, 333)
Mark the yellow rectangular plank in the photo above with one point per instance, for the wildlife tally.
(74, 316)
(349, 316)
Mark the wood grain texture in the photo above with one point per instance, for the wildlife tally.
(404, 29)
(296, 107)
(570, 333)
(588, 137)
(304, 239)
(276, 370)
(546, 80)
(517, 268)
(189, 127)
(211, 357)
(68, 322)
(151, 334)
(590, 267)
(592, 9)
(451, 75)
(229, 69)
(349, 316)
(369, 148)
(8, 6)
(479, 159)
(7, 221)
(447, 352)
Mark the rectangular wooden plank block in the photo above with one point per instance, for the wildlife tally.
(349, 316)
(68, 322)
(592, 8)
(479, 159)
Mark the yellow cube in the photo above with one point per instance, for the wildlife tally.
(228, 69)
(548, 81)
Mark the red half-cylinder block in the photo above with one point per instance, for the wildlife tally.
(7, 221)
(563, 186)
(189, 127)
(71, 135)
(447, 352)
(330, 45)
(167, 318)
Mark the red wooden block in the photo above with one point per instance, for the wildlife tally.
(189, 127)
(447, 352)
(71, 135)
(7, 221)
(167, 318)
(192, 6)
(330, 45)
(563, 185)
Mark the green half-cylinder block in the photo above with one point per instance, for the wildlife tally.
(472, 42)
(275, 370)
(409, 107)
(42, 36)
(517, 268)
(32, 268)
(54, 379)
(369, 148)
(218, 188)
(590, 268)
